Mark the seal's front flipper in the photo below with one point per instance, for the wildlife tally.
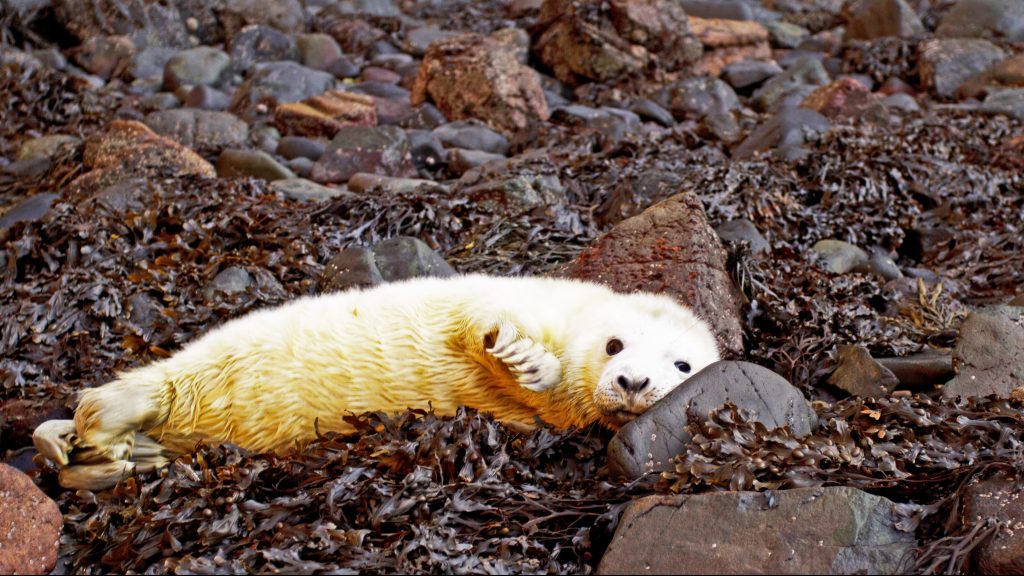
(532, 365)
(92, 469)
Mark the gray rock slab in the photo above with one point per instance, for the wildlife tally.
(834, 530)
(649, 443)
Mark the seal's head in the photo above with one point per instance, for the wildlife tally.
(635, 354)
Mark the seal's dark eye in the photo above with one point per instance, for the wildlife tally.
(614, 347)
(683, 367)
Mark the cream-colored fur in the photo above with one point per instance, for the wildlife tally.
(518, 348)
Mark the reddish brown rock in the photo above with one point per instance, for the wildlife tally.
(860, 375)
(505, 94)
(322, 116)
(20, 416)
(129, 149)
(30, 525)
(999, 499)
(1007, 74)
(844, 98)
(669, 248)
(594, 40)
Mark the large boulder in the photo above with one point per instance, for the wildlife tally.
(649, 443)
(504, 94)
(987, 357)
(835, 530)
(30, 525)
(147, 23)
(669, 248)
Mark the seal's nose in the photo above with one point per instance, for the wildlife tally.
(632, 385)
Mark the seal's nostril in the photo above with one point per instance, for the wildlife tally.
(642, 384)
(632, 385)
(623, 382)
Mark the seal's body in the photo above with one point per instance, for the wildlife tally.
(568, 352)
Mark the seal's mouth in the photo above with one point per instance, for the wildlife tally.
(622, 416)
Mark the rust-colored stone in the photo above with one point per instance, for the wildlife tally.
(718, 32)
(322, 116)
(843, 98)
(670, 248)
(129, 149)
(505, 94)
(30, 525)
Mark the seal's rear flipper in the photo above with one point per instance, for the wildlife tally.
(533, 366)
(55, 439)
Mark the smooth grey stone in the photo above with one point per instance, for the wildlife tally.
(922, 371)
(159, 101)
(650, 110)
(748, 73)
(471, 137)
(984, 18)
(372, 149)
(1008, 101)
(206, 131)
(944, 64)
(353, 267)
(291, 147)
(405, 257)
(302, 167)
(987, 355)
(743, 230)
(840, 257)
(461, 160)
(648, 443)
(362, 182)
(273, 83)
(380, 90)
(790, 128)
(307, 190)
(428, 154)
(725, 9)
(201, 65)
(31, 209)
(318, 51)
(231, 280)
(785, 34)
(698, 97)
(344, 68)
(903, 102)
(251, 163)
(805, 72)
(207, 98)
(150, 62)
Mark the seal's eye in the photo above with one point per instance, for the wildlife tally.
(683, 367)
(614, 347)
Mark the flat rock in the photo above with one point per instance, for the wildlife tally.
(924, 370)
(207, 98)
(274, 83)
(353, 267)
(290, 147)
(461, 161)
(987, 357)
(698, 97)
(372, 149)
(405, 257)
(834, 530)
(669, 248)
(505, 94)
(648, 443)
(30, 525)
(206, 131)
(1003, 19)
(599, 41)
(130, 149)
(324, 115)
(362, 182)
(200, 65)
(879, 18)
(1006, 101)
(233, 163)
(944, 64)
(722, 32)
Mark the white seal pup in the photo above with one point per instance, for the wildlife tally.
(569, 352)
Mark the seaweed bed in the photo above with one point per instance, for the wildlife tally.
(104, 283)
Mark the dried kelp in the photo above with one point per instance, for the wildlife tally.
(409, 494)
